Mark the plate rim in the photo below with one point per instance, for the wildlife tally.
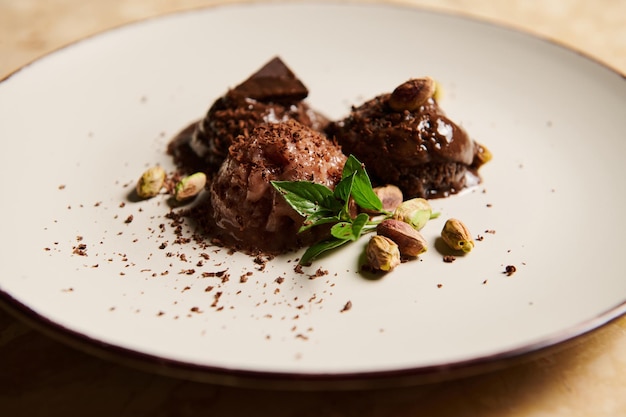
(302, 380)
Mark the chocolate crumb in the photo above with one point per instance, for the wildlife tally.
(480, 238)
(62, 187)
(346, 307)
(216, 298)
(439, 285)
(490, 231)
(319, 273)
(218, 274)
(510, 270)
(80, 250)
(129, 219)
(449, 258)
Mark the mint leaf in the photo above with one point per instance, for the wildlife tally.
(307, 198)
(319, 204)
(315, 219)
(351, 166)
(361, 189)
(351, 230)
(342, 230)
(359, 223)
(320, 247)
(343, 189)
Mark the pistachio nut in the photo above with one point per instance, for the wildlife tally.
(150, 182)
(438, 94)
(410, 242)
(482, 156)
(190, 186)
(411, 94)
(457, 236)
(390, 196)
(382, 253)
(416, 212)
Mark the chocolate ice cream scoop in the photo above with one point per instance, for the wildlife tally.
(404, 138)
(248, 208)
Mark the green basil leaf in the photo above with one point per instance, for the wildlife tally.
(317, 249)
(343, 231)
(321, 217)
(362, 191)
(358, 224)
(350, 230)
(343, 189)
(351, 166)
(305, 197)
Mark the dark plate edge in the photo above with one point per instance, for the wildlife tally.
(308, 381)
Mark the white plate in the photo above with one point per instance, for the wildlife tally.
(80, 125)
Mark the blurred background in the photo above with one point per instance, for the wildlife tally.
(31, 28)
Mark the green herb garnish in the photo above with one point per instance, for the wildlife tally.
(319, 204)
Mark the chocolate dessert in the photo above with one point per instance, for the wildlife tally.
(273, 94)
(405, 139)
(244, 203)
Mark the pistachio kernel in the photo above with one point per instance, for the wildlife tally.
(410, 242)
(482, 156)
(416, 212)
(150, 182)
(390, 196)
(382, 253)
(457, 236)
(190, 186)
(411, 94)
(438, 94)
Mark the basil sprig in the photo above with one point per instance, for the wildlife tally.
(319, 205)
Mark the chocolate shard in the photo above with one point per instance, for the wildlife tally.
(273, 82)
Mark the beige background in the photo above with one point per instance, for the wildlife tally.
(41, 377)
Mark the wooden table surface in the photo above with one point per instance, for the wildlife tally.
(40, 376)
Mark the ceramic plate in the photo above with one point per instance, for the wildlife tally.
(89, 264)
